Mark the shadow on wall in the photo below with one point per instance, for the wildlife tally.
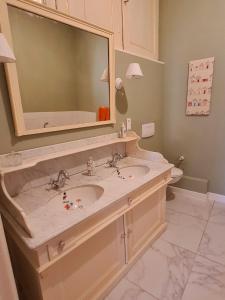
(121, 101)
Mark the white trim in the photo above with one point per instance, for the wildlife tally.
(141, 56)
(209, 196)
(216, 197)
(188, 192)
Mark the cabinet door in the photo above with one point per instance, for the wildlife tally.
(100, 13)
(49, 3)
(62, 6)
(141, 27)
(85, 272)
(117, 27)
(144, 222)
(76, 8)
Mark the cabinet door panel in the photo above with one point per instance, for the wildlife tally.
(100, 13)
(63, 6)
(84, 272)
(141, 27)
(76, 8)
(49, 3)
(143, 220)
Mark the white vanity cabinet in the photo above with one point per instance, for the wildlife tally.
(82, 267)
(143, 221)
(85, 257)
(85, 271)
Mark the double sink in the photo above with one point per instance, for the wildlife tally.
(85, 195)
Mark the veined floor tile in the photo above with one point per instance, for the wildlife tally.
(126, 290)
(163, 270)
(218, 213)
(183, 230)
(193, 206)
(213, 243)
(207, 281)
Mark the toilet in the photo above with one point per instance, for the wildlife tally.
(176, 173)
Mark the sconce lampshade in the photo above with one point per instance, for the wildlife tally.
(134, 71)
(105, 75)
(6, 54)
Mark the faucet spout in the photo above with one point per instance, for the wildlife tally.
(115, 158)
(63, 175)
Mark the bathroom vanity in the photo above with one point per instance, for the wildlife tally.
(77, 241)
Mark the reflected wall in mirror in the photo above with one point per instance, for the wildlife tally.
(59, 65)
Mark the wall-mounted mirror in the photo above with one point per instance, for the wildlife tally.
(56, 83)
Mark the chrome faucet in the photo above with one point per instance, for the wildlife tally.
(58, 183)
(115, 158)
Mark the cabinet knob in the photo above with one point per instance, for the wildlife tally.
(61, 245)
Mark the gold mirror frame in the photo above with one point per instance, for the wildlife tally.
(11, 69)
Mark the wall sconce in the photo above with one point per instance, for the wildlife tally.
(133, 71)
(105, 78)
(6, 54)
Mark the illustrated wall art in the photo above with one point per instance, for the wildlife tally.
(200, 86)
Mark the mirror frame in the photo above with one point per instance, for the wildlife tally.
(11, 68)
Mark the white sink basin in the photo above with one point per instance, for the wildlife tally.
(80, 196)
(131, 172)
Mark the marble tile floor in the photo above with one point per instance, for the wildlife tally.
(187, 262)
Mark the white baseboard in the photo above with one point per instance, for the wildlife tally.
(210, 196)
(188, 192)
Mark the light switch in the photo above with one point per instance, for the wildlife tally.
(128, 121)
(148, 130)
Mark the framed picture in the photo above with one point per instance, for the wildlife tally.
(199, 92)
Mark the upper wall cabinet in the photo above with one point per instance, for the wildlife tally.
(99, 12)
(106, 14)
(140, 22)
(76, 8)
(134, 22)
(49, 3)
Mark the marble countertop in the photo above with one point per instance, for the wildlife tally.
(47, 215)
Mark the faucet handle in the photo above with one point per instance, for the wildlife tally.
(64, 173)
(67, 175)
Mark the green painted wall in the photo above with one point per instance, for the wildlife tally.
(141, 100)
(189, 30)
